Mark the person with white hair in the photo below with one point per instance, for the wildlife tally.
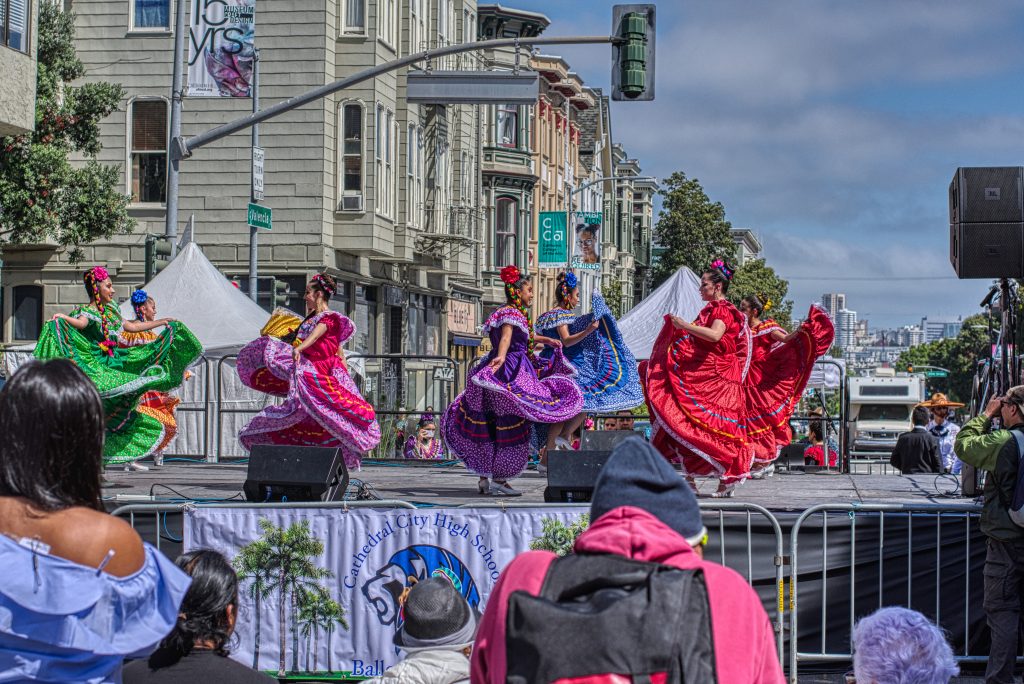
(897, 645)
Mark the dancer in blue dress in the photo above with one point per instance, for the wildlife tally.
(606, 369)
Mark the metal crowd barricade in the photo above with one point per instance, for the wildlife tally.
(139, 515)
(865, 569)
(719, 518)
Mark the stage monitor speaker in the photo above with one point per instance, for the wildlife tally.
(604, 440)
(987, 250)
(572, 474)
(295, 473)
(987, 195)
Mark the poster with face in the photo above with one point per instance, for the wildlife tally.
(586, 252)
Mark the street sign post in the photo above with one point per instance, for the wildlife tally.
(257, 173)
(260, 217)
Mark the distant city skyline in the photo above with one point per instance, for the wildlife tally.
(831, 129)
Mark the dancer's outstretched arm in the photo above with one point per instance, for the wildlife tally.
(712, 334)
(503, 344)
(143, 326)
(77, 322)
(569, 340)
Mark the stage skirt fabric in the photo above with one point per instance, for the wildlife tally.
(322, 405)
(606, 370)
(696, 397)
(778, 376)
(124, 372)
(488, 425)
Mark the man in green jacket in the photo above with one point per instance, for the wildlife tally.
(997, 452)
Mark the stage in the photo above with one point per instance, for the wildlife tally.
(452, 485)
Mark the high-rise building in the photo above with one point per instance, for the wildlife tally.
(940, 328)
(846, 328)
(833, 302)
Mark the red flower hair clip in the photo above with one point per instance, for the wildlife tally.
(99, 273)
(510, 275)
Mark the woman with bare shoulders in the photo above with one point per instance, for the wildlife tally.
(79, 589)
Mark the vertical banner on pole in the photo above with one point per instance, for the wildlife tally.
(221, 48)
(586, 230)
(551, 248)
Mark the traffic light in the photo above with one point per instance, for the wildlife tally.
(279, 293)
(157, 248)
(633, 52)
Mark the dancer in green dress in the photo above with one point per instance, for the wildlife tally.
(91, 337)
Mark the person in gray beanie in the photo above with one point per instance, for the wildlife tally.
(436, 634)
(642, 509)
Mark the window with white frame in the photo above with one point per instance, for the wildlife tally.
(508, 126)
(148, 145)
(151, 14)
(385, 158)
(418, 22)
(445, 22)
(468, 26)
(14, 22)
(506, 215)
(351, 162)
(387, 22)
(353, 17)
(415, 167)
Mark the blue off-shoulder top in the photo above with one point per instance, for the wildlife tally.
(65, 622)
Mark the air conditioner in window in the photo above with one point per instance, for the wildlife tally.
(352, 203)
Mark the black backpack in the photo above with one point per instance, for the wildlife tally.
(601, 618)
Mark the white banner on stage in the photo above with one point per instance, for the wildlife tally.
(331, 569)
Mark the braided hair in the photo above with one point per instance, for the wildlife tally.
(139, 300)
(515, 281)
(567, 282)
(92, 279)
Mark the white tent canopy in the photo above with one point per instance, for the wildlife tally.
(679, 295)
(192, 290)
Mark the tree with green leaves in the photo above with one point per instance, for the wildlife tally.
(333, 614)
(290, 560)
(757, 278)
(691, 229)
(252, 565)
(612, 294)
(43, 198)
(557, 537)
(958, 355)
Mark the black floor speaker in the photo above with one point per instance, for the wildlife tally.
(572, 474)
(604, 440)
(295, 473)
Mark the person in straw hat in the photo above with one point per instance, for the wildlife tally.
(944, 429)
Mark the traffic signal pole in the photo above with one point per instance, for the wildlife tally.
(253, 230)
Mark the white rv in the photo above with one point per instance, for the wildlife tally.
(880, 407)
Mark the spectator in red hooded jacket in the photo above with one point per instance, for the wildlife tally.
(642, 509)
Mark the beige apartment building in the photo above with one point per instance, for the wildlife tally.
(18, 43)
(381, 194)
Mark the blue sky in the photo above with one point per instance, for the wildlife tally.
(832, 128)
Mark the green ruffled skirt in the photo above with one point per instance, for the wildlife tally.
(123, 377)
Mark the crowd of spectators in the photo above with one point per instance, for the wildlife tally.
(81, 593)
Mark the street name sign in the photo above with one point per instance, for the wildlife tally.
(259, 217)
(936, 374)
(258, 156)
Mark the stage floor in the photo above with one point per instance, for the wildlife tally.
(453, 485)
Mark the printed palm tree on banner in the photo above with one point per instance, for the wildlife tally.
(313, 609)
(333, 615)
(287, 556)
(252, 565)
(303, 579)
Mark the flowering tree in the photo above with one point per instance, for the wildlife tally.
(43, 198)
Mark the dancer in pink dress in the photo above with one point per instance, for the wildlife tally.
(322, 404)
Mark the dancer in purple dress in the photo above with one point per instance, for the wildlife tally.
(488, 425)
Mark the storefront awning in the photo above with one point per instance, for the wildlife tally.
(463, 341)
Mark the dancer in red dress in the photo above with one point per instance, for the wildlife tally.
(694, 387)
(780, 367)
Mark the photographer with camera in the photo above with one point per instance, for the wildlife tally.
(999, 453)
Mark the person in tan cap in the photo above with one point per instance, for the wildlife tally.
(944, 429)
